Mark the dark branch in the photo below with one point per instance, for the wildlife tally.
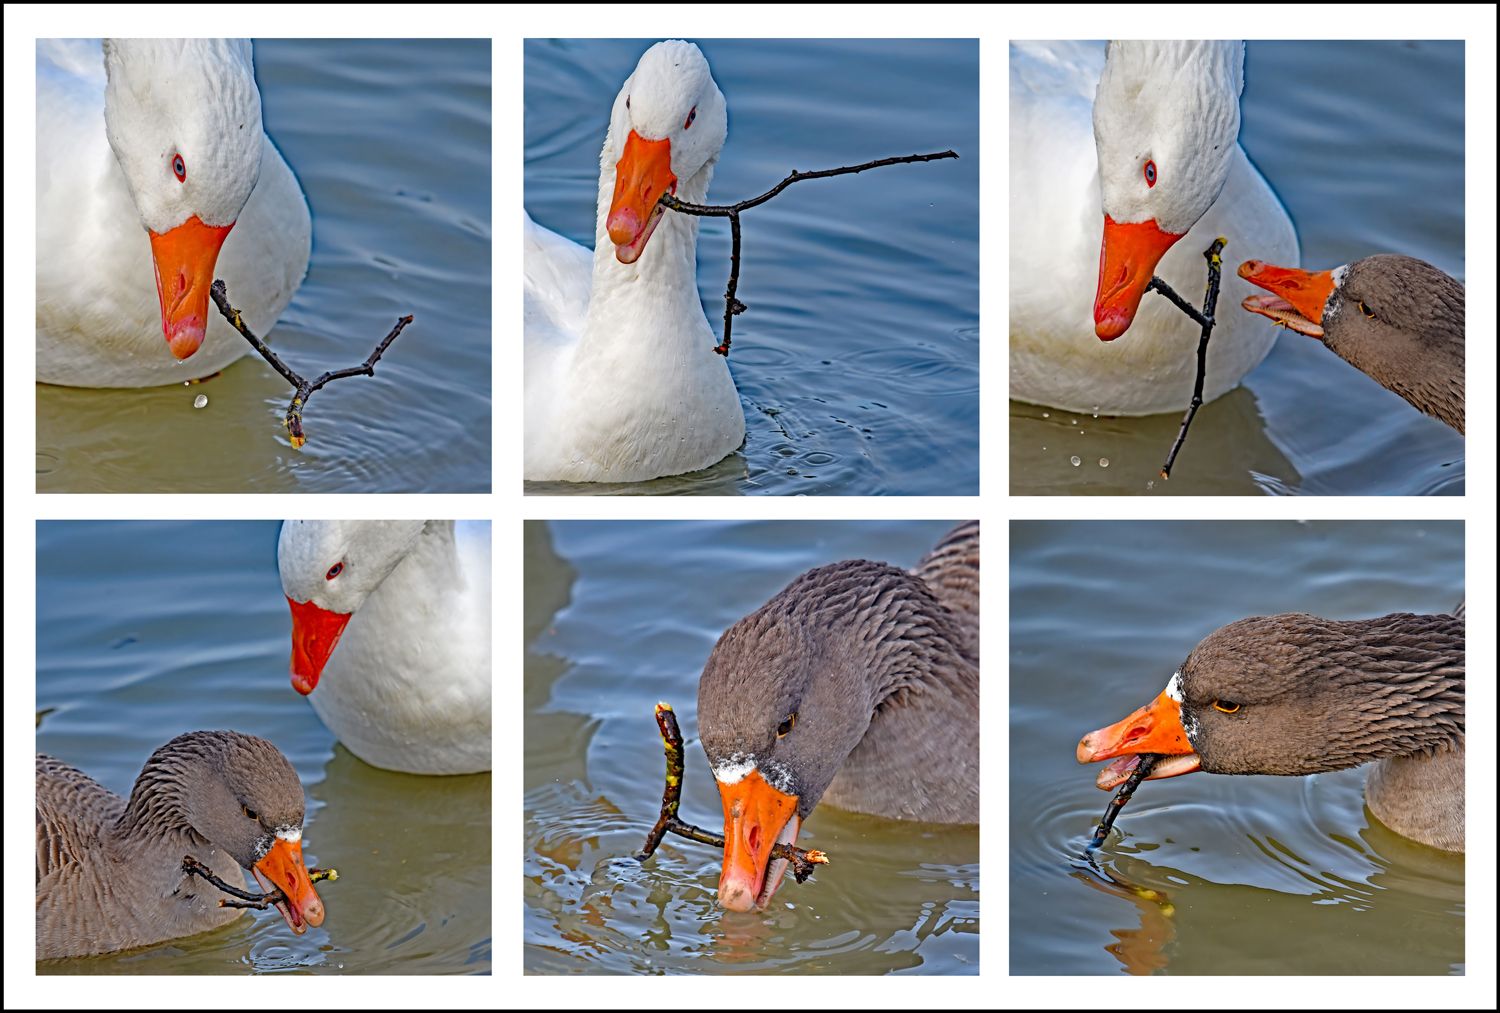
(733, 306)
(304, 387)
(1142, 769)
(260, 901)
(1204, 320)
(801, 861)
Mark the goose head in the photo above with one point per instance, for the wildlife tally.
(238, 792)
(1397, 319)
(328, 569)
(1295, 694)
(183, 119)
(1166, 119)
(790, 691)
(668, 123)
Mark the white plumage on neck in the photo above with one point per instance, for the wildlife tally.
(630, 388)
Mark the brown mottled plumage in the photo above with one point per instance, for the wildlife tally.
(1317, 694)
(108, 872)
(881, 668)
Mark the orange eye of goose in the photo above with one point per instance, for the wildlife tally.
(1226, 706)
(250, 812)
(786, 725)
(335, 570)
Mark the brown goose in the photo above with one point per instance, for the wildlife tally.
(109, 872)
(1294, 694)
(1397, 319)
(858, 685)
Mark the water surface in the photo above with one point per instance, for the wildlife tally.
(147, 630)
(1205, 873)
(390, 139)
(858, 360)
(1364, 144)
(620, 616)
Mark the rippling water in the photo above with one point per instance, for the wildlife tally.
(620, 616)
(858, 359)
(390, 139)
(1208, 874)
(1364, 144)
(147, 630)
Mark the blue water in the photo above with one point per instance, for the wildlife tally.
(1364, 144)
(621, 615)
(390, 139)
(858, 360)
(1245, 874)
(146, 630)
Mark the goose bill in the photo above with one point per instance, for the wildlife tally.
(184, 258)
(756, 817)
(1297, 297)
(282, 869)
(1155, 728)
(642, 175)
(315, 633)
(1128, 255)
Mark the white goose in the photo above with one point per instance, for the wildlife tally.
(622, 382)
(138, 210)
(1137, 144)
(407, 605)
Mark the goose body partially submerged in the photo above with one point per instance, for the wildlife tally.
(109, 871)
(858, 686)
(622, 382)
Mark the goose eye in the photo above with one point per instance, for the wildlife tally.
(627, 101)
(1226, 706)
(250, 812)
(1150, 173)
(692, 115)
(1366, 311)
(179, 169)
(786, 725)
(335, 570)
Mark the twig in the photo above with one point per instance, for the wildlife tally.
(801, 861)
(1204, 320)
(260, 901)
(305, 388)
(1142, 769)
(733, 306)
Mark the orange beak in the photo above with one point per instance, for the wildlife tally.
(642, 175)
(184, 259)
(283, 868)
(1127, 258)
(756, 817)
(1297, 300)
(1155, 728)
(315, 633)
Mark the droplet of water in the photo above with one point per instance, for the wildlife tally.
(1076, 462)
(201, 401)
(1104, 462)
